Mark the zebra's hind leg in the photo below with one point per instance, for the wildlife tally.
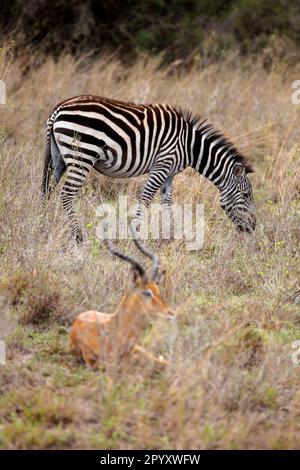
(76, 176)
(59, 167)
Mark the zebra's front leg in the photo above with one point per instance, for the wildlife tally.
(166, 194)
(157, 178)
(166, 200)
(76, 176)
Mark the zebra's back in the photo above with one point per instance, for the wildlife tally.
(120, 139)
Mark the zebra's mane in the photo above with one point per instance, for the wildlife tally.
(203, 125)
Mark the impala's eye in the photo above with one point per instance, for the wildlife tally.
(147, 293)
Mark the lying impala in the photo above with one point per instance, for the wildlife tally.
(100, 338)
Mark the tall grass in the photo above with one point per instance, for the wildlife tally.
(231, 382)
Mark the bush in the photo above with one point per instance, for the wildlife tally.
(176, 27)
(34, 296)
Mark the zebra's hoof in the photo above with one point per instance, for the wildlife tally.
(79, 238)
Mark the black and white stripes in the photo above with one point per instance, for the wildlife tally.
(122, 139)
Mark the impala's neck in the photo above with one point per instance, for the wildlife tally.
(128, 322)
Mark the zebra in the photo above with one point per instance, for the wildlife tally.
(124, 139)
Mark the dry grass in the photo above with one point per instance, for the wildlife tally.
(231, 383)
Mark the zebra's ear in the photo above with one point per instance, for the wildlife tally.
(238, 170)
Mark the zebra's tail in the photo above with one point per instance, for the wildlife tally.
(48, 169)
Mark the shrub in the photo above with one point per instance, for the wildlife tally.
(35, 296)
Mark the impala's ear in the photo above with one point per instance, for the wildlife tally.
(238, 170)
(136, 277)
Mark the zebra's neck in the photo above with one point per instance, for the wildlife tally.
(212, 154)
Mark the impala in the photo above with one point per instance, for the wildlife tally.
(101, 338)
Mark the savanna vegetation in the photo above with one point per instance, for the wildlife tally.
(179, 28)
(231, 382)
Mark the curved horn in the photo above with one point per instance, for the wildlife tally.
(146, 252)
(124, 257)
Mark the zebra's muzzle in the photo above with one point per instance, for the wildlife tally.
(248, 224)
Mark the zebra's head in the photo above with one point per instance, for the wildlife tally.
(237, 197)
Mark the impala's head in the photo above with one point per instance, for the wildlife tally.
(237, 197)
(143, 295)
